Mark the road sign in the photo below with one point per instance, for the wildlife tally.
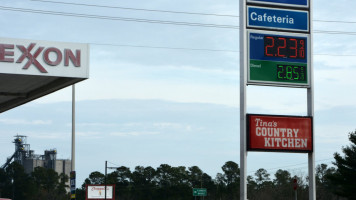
(277, 19)
(294, 3)
(200, 192)
(280, 59)
(279, 133)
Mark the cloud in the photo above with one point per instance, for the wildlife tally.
(25, 122)
(135, 134)
(48, 135)
(94, 124)
(89, 134)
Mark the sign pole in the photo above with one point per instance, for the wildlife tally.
(270, 63)
(310, 96)
(73, 179)
(310, 99)
(243, 79)
(73, 128)
(106, 167)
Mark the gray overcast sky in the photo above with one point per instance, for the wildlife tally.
(149, 106)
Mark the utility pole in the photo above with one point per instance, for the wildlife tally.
(106, 167)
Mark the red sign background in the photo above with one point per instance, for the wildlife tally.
(279, 133)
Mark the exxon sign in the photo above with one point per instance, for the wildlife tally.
(33, 57)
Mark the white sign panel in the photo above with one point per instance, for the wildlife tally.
(34, 57)
(98, 192)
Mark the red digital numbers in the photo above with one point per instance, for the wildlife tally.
(294, 48)
(284, 47)
(281, 47)
(269, 46)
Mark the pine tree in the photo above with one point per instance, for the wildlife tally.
(344, 180)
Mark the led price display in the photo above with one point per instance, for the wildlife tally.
(284, 47)
(278, 59)
(291, 72)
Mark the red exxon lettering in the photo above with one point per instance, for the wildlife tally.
(70, 56)
(4, 52)
(32, 59)
(47, 59)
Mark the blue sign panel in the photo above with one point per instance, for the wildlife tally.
(278, 19)
(282, 48)
(288, 2)
(279, 59)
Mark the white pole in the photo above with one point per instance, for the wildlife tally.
(310, 96)
(243, 78)
(73, 127)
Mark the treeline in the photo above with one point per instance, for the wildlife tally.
(176, 183)
(41, 184)
(165, 183)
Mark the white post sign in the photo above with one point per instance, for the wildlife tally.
(98, 192)
(275, 50)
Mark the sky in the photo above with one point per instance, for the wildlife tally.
(169, 94)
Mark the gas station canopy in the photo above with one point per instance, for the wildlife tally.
(30, 69)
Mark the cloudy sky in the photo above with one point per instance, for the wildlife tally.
(164, 87)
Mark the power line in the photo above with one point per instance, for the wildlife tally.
(165, 47)
(116, 18)
(293, 165)
(335, 32)
(146, 20)
(159, 22)
(198, 49)
(171, 11)
(335, 21)
(113, 163)
(343, 55)
(137, 9)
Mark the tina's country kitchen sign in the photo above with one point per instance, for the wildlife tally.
(279, 133)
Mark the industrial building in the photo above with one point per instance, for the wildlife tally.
(26, 157)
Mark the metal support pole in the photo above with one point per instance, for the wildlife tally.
(243, 78)
(295, 195)
(73, 180)
(310, 96)
(106, 167)
(73, 128)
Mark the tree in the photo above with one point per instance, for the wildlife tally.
(264, 186)
(48, 184)
(96, 178)
(16, 184)
(143, 182)
(283, 185)
(345, 176)
(195, 176)
(232, 179)
(324, 187)
(123, 183)
(262, 177)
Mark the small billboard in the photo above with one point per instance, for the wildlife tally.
(279, 133)
(97, 192)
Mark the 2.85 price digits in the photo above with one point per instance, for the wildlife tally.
(284, 47)
(290, 72)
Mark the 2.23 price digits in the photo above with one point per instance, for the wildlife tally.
(284, 47)
(290, 72)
